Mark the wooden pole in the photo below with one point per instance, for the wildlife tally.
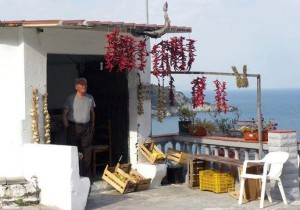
(259, 117)
(147, 12)
(212, 73)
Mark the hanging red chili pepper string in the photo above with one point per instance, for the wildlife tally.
(126, 58)
(221, 96)
(156, 58)
(165, 59)
(112, 51)
(218, 95)
(199, 85)
(177, 50)
(122, 52)
(167, 54)
(191, 53)
(161, 57)
(141, 54)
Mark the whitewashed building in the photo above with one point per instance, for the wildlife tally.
(49, 55)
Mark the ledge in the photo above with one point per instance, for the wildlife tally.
(282, 131)
(222, 138)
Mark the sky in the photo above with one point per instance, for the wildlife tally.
(263, 34)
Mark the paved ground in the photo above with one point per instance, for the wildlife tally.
(170, 197)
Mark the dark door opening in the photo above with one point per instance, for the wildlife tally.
(109, 89)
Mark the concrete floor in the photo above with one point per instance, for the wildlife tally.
(174, 196)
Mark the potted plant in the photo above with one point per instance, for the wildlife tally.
(250, 130)
(226, 126)
(186, 117)
(202, 128)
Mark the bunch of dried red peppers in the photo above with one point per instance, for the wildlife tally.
(221, 96)
(124, 52)
(172, 53)
(198, 88)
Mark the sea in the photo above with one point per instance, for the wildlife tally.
(282, 105)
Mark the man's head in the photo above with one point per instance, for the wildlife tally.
(81, 81)
(81, 85)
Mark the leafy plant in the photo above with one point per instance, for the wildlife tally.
(186, 114)
(253, 125)
(207, 124)
(21, 202)
(228, 126)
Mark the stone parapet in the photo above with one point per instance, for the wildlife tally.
(285, 141)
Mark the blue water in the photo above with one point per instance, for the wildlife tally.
(279, 104)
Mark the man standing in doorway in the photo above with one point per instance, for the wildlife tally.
(79, 119)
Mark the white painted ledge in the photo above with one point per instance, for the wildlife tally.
(57, 170)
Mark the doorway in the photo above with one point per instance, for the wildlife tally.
(110, 92)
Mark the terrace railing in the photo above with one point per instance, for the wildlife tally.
(236, 148)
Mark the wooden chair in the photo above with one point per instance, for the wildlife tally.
(102, 148)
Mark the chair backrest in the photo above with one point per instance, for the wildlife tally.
(275, 161)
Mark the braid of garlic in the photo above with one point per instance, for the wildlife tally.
(140, 97)
(35, 116)
(47, 139)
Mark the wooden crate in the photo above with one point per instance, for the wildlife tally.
(112, 175)
(252, 188)
(141, 182)
(194, 166)
(152, 153)
(177, 156)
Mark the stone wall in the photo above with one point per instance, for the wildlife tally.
(285, 141)
(19, 191)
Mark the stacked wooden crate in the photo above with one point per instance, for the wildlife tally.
(177, 156)
(194, 166)
(152, 153)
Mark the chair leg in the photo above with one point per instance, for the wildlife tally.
(268, 192)
(282, 191)
(241, 191)
(262, 194)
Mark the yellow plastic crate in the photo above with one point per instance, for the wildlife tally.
(214, 180)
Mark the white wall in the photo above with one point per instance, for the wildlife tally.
(12, 109)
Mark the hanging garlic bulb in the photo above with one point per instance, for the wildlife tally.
(140, 98)
(34, 115)
(245, 79)
(161, 104)
(47, 139)
(241, 82)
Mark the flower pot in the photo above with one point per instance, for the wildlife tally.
(254, 136)
(197, 131)
(184, 127)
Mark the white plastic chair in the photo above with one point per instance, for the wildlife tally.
(273, 164)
